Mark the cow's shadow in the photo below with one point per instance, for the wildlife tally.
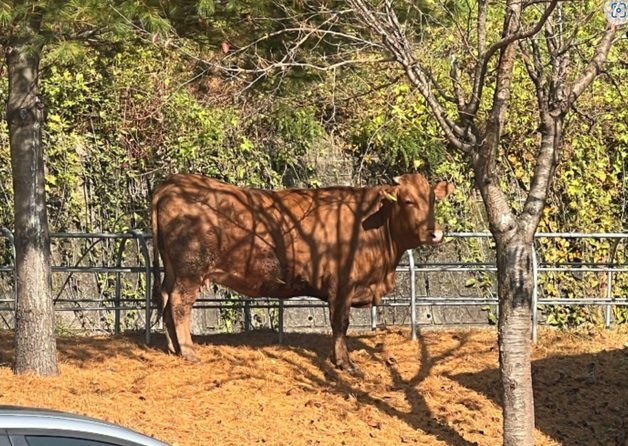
(316, 347)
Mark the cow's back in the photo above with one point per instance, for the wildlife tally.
(258, 242)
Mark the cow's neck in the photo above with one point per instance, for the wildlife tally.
(378, 230)
(393, 250)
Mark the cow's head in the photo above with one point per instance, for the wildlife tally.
(412, 219)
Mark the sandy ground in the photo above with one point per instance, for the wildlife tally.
(441, 390)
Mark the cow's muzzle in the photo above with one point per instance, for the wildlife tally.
(436, 236)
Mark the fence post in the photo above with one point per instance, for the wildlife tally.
(147, 271)
(281, 308)
(247, 314)
(608, 309)
(9, 236)
(117, 311)
(412, 294)
(373, 317)
(535, 280)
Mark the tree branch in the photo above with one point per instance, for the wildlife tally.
(455, 81)
(553, 106)
(481, 26)
(546, 162)
(395, 42)
(500, 216)
(481, 68)
(592, 70)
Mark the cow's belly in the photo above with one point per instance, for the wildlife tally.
(370, 294)
(365, 299)
(261, 284)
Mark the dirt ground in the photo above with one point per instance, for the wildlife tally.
(441, 390)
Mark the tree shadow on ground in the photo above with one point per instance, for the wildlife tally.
(420, 417)
(82, 349)
(579, 400)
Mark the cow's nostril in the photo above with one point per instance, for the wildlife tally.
(437, 236)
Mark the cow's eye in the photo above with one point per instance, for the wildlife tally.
(408, 202)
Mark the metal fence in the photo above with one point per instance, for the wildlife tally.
(590, 269)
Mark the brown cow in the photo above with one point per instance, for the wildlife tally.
(339, 244)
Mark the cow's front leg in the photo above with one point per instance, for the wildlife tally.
(339, 317)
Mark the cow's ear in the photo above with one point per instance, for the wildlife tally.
(389, 194)
(443, 189)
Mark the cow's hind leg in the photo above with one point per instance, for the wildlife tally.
(166, 314)
(339, 317)
(171, 335)
(181, 300)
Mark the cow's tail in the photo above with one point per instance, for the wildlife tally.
(158, 297)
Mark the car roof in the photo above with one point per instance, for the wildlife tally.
(17, 417)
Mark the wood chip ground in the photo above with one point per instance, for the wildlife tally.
(249, 390)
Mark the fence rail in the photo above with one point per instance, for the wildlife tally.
(614, 270)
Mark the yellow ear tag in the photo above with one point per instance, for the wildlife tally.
(390, 197)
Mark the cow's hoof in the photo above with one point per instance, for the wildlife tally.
(191, 357)
(355, 371)
(350, 368)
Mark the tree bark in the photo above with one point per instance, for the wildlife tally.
(514, 257)
(515, 284)
(514, 244)
(35, 344)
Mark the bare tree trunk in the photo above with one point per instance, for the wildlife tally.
(515, 287)
(35, 345)
(514, 276)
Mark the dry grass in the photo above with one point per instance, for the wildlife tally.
(248, 390)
